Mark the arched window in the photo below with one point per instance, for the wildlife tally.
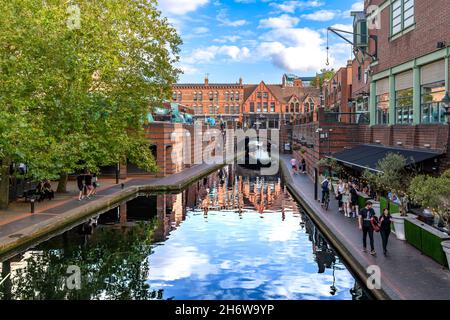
(297, 107)
(236, 95)
(307, 107)
(210, 96)
(292, 107)
(227, 109)
(226, 96)
(174, 96)
(200, 96)
(195, 96)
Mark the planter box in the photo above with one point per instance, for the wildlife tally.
(362, 198)
(426, 239)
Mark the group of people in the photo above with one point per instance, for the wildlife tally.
(44, 191)
(347, 196)
(87, 185)
(296, 167)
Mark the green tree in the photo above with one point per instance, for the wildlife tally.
(82, 91)
(325, 74)
(434, 193)
(331, 165)
(392, 176)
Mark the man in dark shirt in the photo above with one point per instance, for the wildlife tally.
(365, 225)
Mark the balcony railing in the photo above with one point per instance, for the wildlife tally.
(345, 117)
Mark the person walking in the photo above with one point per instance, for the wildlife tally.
(88, 183)
(365, 216)
(303, 165)
(339, 192)
(346, 200)
(80, 184)
(94, 184)
(385, 229)
(353, 201)
(294, 165)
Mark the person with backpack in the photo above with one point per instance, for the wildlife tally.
(325, 188)
(353, 201)
(385, 229)
(365, 224)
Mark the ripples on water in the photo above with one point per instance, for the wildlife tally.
(229, 236)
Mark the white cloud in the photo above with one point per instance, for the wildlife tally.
(208, 54)
(222, 17)
(189, 69)
(292, 6)
(180, 7)
(300, 49)
(201, 30)
(225, 39)
(321, 15)
(283, 21)
(357, 6)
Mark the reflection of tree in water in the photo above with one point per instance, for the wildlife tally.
(113, 265)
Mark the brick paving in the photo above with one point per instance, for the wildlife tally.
(405, 272)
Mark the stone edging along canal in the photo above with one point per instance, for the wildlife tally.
(40, 232)
(351, 261)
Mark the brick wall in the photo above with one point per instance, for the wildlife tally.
(431, 26)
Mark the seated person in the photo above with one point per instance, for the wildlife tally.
(48, 191)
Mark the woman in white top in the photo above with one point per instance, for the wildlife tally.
(346, 200)
(339, 193)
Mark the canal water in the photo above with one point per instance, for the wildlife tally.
(232, 235)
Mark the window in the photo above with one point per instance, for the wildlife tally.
(258, 107)
(359, 73)
(402, 15)
(265, 95)
(216, 96)
(180, 96)
(174, 96)
(287, 108)
(237, 96)
(252, 107)
(227, 109)
(432, 110)
(404, 106)
(382, 108)
(210, 96)
(195, 96)
(273, 124)
(266, 105)
(199, 96)
(258, 95)
(226, 96)
(307, 107)
(297, 107)
(272, 107)
(237, 109)
(292, 107)
(231, 109)
(210, 109)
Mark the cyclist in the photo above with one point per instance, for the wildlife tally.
(326, 184)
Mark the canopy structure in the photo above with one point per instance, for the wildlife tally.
(367, 156)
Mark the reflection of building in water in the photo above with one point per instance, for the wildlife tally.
(170, 213)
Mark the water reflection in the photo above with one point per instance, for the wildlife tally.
(231, 235)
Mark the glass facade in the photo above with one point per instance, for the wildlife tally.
(404, 113)
(382, 108)
(431, 108)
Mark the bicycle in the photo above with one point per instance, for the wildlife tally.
(326, 201)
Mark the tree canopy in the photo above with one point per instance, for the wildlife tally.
(77, 81)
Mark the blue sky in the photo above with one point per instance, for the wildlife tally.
(258, 39)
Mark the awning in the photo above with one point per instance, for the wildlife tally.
(367, 156)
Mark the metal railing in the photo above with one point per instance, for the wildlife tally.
(346, 117)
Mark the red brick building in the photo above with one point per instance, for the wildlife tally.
(221, 101)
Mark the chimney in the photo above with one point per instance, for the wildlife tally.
(240, 81)
(206, 80)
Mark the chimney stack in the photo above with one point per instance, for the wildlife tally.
(206, 79)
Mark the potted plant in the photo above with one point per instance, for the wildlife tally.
(392, 176)
(434, 193)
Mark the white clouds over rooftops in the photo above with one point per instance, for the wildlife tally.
(208, 54)
(300, 49)
(321, 15)
(180, 7)
(283, 21)
(292, 6)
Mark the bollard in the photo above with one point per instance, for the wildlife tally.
(32, 205)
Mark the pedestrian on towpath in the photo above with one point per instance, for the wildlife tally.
(365, 216)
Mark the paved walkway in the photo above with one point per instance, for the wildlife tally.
(405, 272)
(19, 227)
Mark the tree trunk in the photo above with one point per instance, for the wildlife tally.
(4, 183)
(62, 183)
